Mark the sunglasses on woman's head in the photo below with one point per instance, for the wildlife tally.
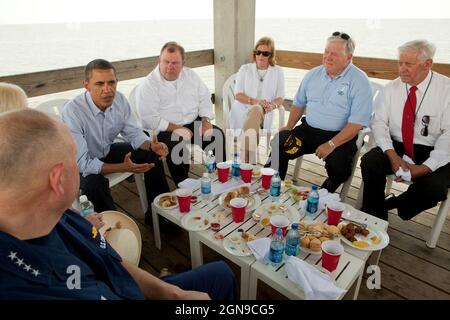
(264, 53)
(342, 35)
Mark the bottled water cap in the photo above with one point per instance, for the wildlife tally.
(83, 198)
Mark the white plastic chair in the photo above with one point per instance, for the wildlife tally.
(364, 134)
(228, 99)
(54, 107)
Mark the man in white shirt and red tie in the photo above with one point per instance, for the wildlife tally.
(174, 101)
(411, 127)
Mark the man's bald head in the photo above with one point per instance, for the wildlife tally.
(31, 143)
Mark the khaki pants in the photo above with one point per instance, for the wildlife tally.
(253, 123)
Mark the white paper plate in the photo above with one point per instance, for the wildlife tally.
(381, 234)
(196, 221)
(271, 209)
(158, 198)
(236, 245)
(254, 201)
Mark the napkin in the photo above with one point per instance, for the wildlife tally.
(405, 174)
(260, 248)
(315, 284)
(324, 198)
(219, 188)
(190, 183)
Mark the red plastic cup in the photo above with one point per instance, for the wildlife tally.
(246, 172)
(184, 199)
(223, 170)
(331, 252)
(238, 206)
(335, 210)
(267, 174)
(281, 222)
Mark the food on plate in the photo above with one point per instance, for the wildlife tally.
(315, 244)
(244, 190)
(334, 230)
(230, 195)
(298, 195)
(302, 226)
(375, 240)
(350, 230)
(305, 242)
(265, 221)
(205, 222)
(248, 236)
(322, 239)
(215, 226)
(220, 216)
(256, 217)
(167, 201)
(194, 199)
(360, 244)
(235, 239)
(196, 218)
(218, 236)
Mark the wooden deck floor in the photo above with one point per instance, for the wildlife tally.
(409, 269)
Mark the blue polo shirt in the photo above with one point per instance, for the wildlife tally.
(332, 103)
(72, 262)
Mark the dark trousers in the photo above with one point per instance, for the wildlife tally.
(96, 186)
(338, 163)
(179, 157)
(214, 278)
(424, 193)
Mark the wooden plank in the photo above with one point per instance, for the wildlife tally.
(46, 82)
(374, 67)
(420, 269)
(407, 286)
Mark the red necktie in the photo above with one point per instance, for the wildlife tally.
(409, 111)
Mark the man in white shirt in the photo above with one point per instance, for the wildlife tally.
(173, 100)
(412, 130)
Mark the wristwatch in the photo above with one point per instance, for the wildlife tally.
(331, 144)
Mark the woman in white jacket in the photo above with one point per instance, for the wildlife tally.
(259, 89)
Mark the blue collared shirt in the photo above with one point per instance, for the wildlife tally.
(72, 262)
(332, 103)
(94, 130)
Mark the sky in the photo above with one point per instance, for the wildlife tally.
(66, 11)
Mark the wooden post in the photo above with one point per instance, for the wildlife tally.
(234, 38)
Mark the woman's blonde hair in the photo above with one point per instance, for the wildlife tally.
(271, 44)
(12, 97)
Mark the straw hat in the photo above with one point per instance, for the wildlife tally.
(123, 234)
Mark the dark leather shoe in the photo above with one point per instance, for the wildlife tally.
(390, 201)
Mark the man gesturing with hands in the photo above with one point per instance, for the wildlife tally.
(95, 118)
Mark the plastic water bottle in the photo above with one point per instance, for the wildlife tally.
(276, 248)
(86, 206)
(205, 186)
(275, 187)
(312, 203)
(292, 241)
(210, 163)
(236, 167)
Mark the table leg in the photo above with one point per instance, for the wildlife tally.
(196, 250)
(358, 284)
(252, 286)
(245, 275)
(155, 218)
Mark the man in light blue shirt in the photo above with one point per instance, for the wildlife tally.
(338, 99)
(95, 118)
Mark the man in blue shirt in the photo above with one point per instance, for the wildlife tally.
(95, 118)
(46, 253)
(338, 99)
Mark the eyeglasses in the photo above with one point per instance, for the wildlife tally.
(342, 35)
(264, 53)
(425, 123)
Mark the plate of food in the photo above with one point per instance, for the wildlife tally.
(363, 238)
(298, 193)
(236, 243)
(267, 210)
(312, 235)
(254, 201)
(166, 201)
(196, 221)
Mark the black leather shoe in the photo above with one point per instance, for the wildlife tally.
(390, 201)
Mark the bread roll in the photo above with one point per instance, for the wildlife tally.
(304, 242)
(315, 244)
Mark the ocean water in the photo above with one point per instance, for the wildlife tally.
(30, 48)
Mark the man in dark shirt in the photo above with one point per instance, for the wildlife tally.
(46, 253)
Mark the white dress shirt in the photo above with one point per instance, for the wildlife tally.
(248, 82)
(181, 101)
(387, 122)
